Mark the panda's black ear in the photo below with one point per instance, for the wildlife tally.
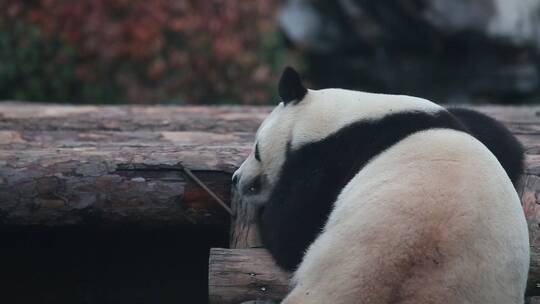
(290, 86)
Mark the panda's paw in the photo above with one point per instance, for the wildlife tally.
(260, 302)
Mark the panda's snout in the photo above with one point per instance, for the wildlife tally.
(235, 179)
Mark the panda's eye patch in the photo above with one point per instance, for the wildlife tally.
(257, 154)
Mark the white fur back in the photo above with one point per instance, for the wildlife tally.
(434, 219)
(324, 112)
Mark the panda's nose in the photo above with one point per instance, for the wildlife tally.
(235, 179)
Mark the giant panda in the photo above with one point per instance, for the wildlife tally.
(374, 198)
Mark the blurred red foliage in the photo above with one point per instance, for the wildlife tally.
(193, 51)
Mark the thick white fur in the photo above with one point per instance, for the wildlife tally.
(324, 112)
(434, 219)
(319, 114)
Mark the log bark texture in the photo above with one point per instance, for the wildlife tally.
(238, 275)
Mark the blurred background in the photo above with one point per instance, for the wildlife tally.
(231, 51)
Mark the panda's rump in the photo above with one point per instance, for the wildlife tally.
(434, 219)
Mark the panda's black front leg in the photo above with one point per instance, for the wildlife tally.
(261, 302)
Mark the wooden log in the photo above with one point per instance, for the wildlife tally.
(67, 178)
(48, 117)
(72, 165)
(238, 275)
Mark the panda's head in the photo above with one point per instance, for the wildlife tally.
(258, 173)
(306, 117)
